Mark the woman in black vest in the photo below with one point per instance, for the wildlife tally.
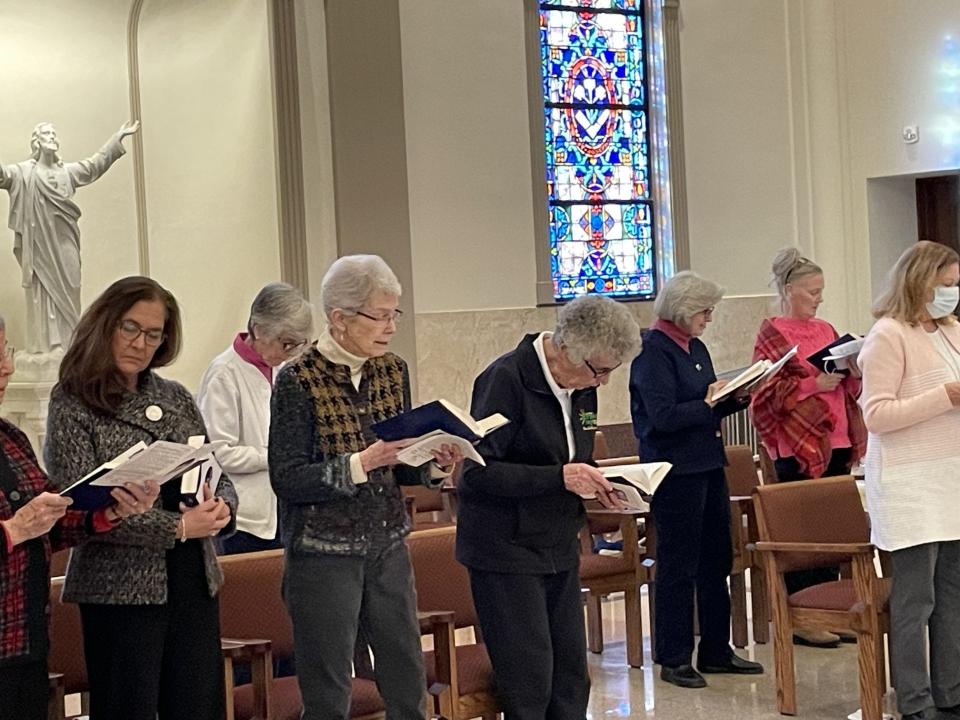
(341, 511)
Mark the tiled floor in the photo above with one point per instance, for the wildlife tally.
(826, 684)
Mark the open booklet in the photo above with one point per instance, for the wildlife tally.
(753, 376)
(838, 355)
(161, 461)
(635, 482)
(437, 423)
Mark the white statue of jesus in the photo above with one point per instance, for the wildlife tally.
(46, 236)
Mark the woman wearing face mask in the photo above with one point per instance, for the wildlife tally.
(911, 389)
(808, 420)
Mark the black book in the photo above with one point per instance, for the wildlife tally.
(439, 416)
(835, 357)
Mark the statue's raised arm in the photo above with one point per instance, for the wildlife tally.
(46, 235)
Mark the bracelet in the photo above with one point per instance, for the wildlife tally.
(183, 530)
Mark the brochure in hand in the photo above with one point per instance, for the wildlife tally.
(837, 356)
(162, 461)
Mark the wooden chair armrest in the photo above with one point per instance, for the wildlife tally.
(812, 547)
(616, 514)
(625, 460)
(741, 499)
(429, 619)
(244, 648)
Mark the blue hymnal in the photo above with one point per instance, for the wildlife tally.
(437, 416)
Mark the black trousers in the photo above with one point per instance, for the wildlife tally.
(534, 631)
(329, 598)
(694, 558)
(788, 470)
(24, 691)
(158, 661)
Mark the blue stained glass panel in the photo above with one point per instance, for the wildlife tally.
(597, 151)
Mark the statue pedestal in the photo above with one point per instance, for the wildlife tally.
(28, 394)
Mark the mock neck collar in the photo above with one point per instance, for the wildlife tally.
(335, 353)
(676, 333)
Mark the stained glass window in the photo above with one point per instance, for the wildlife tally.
(597, 151)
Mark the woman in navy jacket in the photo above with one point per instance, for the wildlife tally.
(519, 514)
(676, 421)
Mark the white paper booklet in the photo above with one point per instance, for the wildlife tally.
(846, 353)
(420, 452)
(754, 375)
(635, 481)
(161, 461)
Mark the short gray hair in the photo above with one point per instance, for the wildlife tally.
(352, 279)
(593, 324)
(279, 309)
(684, 295)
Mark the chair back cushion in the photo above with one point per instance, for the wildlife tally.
(741, 470)
(442, 583)
(66, 641)
(251, 600)
(826, 510)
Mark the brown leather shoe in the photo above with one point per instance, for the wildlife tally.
(815, 638)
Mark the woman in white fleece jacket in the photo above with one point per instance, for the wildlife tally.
(234, 398)
(911, 390)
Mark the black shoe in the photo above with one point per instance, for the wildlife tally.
(682, 676)
(951, 712)
(734, 665)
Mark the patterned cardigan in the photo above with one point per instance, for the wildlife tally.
(127, 566)
(317, 422)
(16, 570)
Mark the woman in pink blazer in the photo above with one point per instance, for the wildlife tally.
(911, 390)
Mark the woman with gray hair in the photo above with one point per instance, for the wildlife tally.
(234, 399)
(520, 513)
(676, 420)
(342, 514)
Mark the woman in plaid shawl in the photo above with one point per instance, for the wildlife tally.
(808, 420)
(34, 521)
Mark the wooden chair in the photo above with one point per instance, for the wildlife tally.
(443, 586)
(601, 575)
(58, 563)
(428, 507)
(742, 478)
(256, 628)
(820, 523)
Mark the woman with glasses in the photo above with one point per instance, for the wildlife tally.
(676, 420)
(147, 589)
(234, 398)
(342, 514)
(808, 420)
(520, 513)
(35, 521)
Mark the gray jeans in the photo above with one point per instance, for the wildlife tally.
(328, 597)
(926, 596)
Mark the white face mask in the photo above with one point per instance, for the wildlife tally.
(945, 301)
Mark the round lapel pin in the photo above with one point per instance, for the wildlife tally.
(154, 413)
(699, 367)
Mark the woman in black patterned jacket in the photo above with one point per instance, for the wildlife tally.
(341, 510)
(34, 521)
(147, 590)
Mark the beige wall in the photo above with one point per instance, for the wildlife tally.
(208, 149)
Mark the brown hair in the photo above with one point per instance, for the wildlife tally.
(909, 281)
(790, 265)
(88, 371)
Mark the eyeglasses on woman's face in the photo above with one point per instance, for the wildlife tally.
(292, 347)
(130, 330)
(600, 372)
(382, 318)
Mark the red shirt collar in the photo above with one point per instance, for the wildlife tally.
(252, 356)
(676, 333)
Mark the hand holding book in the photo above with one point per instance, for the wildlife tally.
(587, 481)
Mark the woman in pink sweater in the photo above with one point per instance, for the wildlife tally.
(808, 420)
(911, 390)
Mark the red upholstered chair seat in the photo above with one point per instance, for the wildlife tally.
(473, 668)
(837, 595)
(287, 703)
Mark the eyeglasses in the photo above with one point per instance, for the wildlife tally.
(709, 311)
(7, 352)
(385, 318)
(293, 346)
(602, 371)
(130, 330)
